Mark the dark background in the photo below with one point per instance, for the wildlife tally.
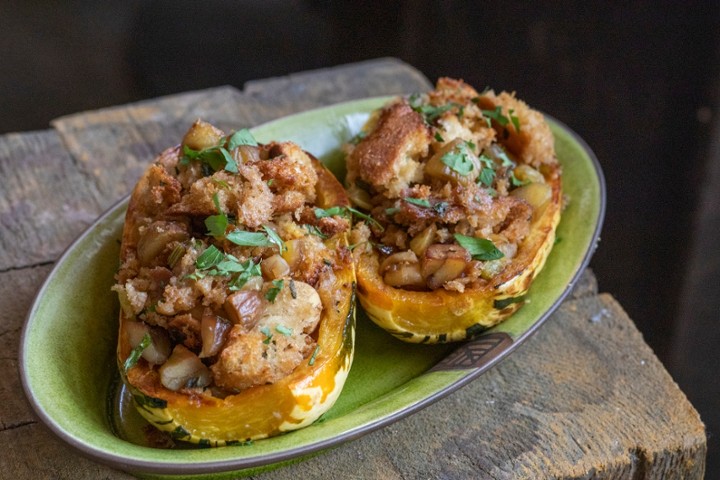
(640, 82)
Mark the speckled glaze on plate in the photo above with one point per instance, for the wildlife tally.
(67, 351)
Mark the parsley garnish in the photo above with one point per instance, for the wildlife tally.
(515, 120)
(420, 202)
(214, 262)
(343, 211)
(391, 211)
(136, 352)
(439, 137)
(496, 115)
(272, 293)
(459, 160)
(217, 158)
(283, 330)
(241, 137)
(429, 112)
(487, 176)
(217, 224)
(275, 238)
(268, 335)
(311, 362)
(268, 238)
(313, 230)
(250, 269)
(479, 248)
(209, 258)
(248, 239)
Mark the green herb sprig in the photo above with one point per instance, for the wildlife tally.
(479, 248)
(218, 157)
(137, 352)
(344, 212)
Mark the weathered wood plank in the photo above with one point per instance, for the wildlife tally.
(45, 201)
(387, 76)
(114, 145)
(20, 287)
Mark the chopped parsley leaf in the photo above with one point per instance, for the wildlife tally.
(275, 238)
(459, 160)
(313, 230)
(268, 335)
(420, 202)
(343, 211)
(217, 224)
(311, 362)
(496, 115)
(241, 137)
(439, 137)
(479, 248)
(136, 352)
(514, 120)
(248, 239)
(391, 211)
(487, 176)
(283, 330)
(209, 258)
(273, 292)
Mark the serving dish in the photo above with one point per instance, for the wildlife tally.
(67, 349)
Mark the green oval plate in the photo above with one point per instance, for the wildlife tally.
(67, 352)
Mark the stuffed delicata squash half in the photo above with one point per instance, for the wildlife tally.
(464, 193)
(237, 317)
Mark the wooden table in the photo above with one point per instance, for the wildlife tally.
(584, 398)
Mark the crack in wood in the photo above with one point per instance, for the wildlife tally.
(13, 426)
(44, 263)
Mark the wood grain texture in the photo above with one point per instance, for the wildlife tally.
(45, 200)
(584, 398)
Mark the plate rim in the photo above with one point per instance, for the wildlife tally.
(266, 460)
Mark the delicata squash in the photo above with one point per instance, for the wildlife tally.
(236, 289)
(464, 192)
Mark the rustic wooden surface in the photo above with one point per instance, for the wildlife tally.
(584, 398)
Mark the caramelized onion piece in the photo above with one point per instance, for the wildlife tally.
(156, 237)
(213, 330)
(184, 370)
(423, 240)
(402, 270)
(443, 263)
(247, 154)
(274, 267)
(536, 194)
(159, 349)
(202, 135)
(243, 307)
